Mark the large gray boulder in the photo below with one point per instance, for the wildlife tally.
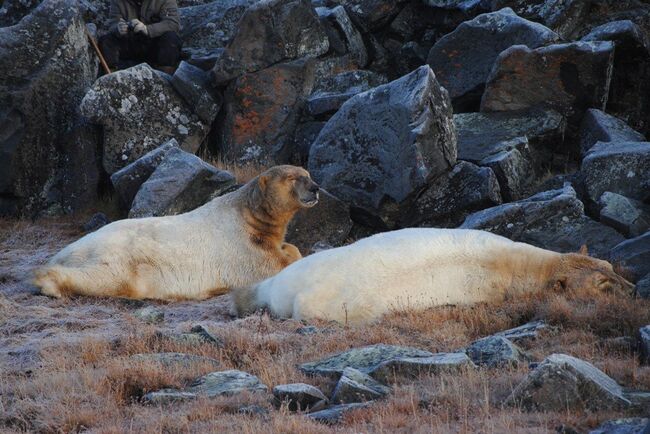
(355, 386)
(553, 220)
(633, 255)
(568, 78)
(328, 222)
(180, 183)
(127, 180)
(412, 367)
(384, 144)
(618, 167)
(270, 32)
(562, 382)
(330, 94)
(598, 126)
(47, 152)
(261, 113)
(212, 385)
(192, 84)
(462, 60)
(139, 109)
(370, 14)
(364, 359)
(450, 197)
(633, 425)
(345, 41)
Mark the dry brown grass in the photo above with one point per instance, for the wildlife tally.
(64, 364)
(243, 173)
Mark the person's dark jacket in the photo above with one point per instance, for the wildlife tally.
(160, 16)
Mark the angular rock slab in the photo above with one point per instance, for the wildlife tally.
(355, 386)
(617, 167)
(180, 183)
(300, 396)
(412, 367)
(269, 32)
(633, 255)
(526, 331)
(564, 382)
(568, 78)
(192, 84)
(327, 222)
(370, 14)
(450, 197)
(384, 144)
(139, 110)
(47, 155)
(644, 344)
(553, 220)
(598, 126)
(333, 92)
(364, 359)
(261, 113)
(127, 180)
(628, 216)
(345, 41)
(212, 385)
(462, 60)
(495, 351)
(334, 414)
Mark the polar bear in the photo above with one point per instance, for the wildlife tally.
(234, 240)
(416, 269)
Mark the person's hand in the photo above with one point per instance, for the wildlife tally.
(139, 27)
(122, 27)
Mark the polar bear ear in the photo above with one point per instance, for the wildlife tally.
(583, 250)
(560, 284)
(262, 182)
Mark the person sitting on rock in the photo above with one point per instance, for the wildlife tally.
(143, 31)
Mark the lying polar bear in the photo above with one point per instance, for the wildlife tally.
(419, 268)
(234, 240)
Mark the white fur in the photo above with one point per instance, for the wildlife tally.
(409, 268)
(173, 257)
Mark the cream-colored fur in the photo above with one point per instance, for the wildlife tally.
(233, 240)
(416, 269)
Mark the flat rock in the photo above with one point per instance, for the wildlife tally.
(299, 396)
(261, 113)
(644, 344)
(327, 222)
(330, 95)
(526, 331)
(633, 425)
(633, 255)
(384, 144)
(412, 367)
(598, 126)
(334, 414)
(150, 314)
(563, 382)
(628, 216)
(174, 360)
(95, 222)
(355, 386)
(495, 351)
(47, 152)
(127, 180)
(192, 83)
(553, 220)
(212, 385)
(270, 32)
(364, 359)
(180, 183)
(568, 78)
(617, 167)
(139, 109)
(450, 197)
(462, 60)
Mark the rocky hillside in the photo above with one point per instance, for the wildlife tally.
(526, 118)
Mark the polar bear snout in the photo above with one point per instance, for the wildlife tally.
(308, 192)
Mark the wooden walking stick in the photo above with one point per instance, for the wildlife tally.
(97, 50)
